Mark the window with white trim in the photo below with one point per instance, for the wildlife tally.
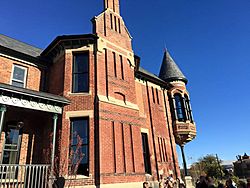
(19, 75)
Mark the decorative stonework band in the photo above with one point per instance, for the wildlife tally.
(30, 103)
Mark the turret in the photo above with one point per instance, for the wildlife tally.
(170, 71)
(182, 118)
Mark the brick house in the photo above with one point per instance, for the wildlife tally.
(128, 120)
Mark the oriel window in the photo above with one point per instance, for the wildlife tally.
(80, 72)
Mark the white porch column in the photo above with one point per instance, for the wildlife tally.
(55, 117)
(2, 113)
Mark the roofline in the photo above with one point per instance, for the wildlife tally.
(66, 37)
(108, 9)
(176, 78)
(152, 79)
(22, 56)
(33, 93)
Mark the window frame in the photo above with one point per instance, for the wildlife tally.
(146, 153)
(188, 108)
(181, 108)
(12, 125)
(80, 73)
(87, 144)
(24, 77)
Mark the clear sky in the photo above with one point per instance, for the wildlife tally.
(209, 40)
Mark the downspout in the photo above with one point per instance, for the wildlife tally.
(170, 137)
(96, 119)
(153, 136)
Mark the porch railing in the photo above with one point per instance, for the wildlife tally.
(24, 176)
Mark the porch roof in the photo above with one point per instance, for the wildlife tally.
(26, 98)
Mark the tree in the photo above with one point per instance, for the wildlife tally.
(71, 164)
(207, 165)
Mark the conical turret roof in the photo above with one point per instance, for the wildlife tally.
(170, 70)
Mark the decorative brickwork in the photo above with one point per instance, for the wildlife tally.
(123, 102)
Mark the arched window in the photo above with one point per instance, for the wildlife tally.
(179, 108)
(188, 108)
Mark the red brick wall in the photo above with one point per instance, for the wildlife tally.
(33, 80)
(61, 83)
(113, 4)
(102, 27)
(56, 76)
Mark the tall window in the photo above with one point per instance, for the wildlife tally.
(79, 152)
(146, 154)
(179, 108)
(188, 108)
(19, 76)
(81, 72)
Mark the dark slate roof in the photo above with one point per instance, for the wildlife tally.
(33, 93)
(150, 74)
(170, 70)
(19, 46)
(144, 74)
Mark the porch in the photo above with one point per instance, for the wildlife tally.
(28, 176)
(28, 127)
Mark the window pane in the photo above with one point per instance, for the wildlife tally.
(81, 73)
(180, 110)
(19, 73)
(80, 82)
(83, 169)
(9, 157)
(85, 151)
(12, 137)
(80, 128)
(81, 63)
(18, 84)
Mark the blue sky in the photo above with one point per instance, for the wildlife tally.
(209, 40)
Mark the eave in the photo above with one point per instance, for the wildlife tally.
(63, 42)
